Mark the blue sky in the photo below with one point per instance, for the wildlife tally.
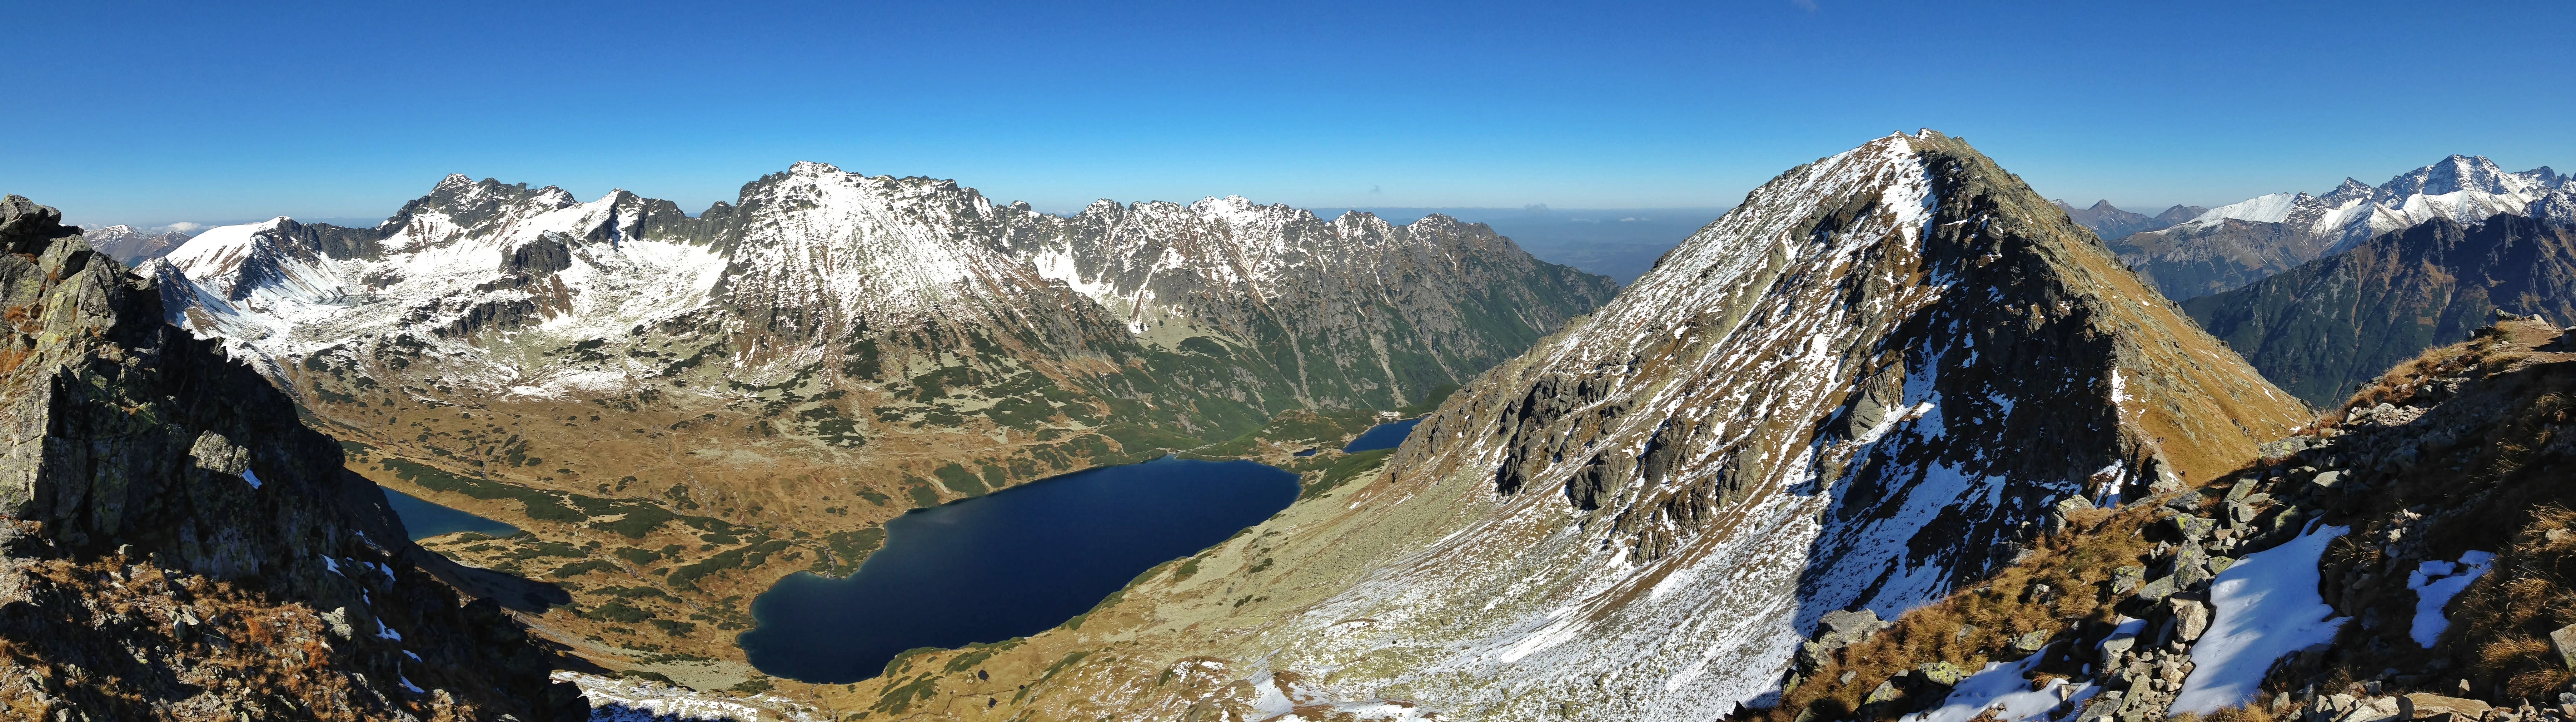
(151, 113)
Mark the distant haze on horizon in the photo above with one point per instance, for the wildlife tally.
(345, 112)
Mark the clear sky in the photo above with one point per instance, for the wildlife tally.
(151, 113)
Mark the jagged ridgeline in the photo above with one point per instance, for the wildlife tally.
(174, 544)
(2323, 328)
(682, 409)
(914, 303)
(1862, 388)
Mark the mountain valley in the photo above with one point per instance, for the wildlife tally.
(679, 410)
(1893, 436)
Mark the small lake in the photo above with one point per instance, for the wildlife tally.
(1382, 436)
(424, 519)
(1007, 564)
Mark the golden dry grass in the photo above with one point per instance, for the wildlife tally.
(1968, 626)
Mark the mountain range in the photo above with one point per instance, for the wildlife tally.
(133, 247)
(2329, 325)
(2108, 221)
(1895, 437)
(2236, 244)
(751, 391)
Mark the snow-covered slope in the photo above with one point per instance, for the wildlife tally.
(1860, 388)
(2235, 244)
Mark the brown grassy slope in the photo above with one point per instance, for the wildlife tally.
(2491, 472)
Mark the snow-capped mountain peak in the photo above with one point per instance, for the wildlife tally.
(2235, 244)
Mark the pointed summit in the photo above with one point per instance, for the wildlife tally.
(1860, 388)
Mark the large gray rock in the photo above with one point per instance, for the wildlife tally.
(2191, 618)
(2421, 705)
(2156, 591)
(2191, 527)
(2191, 566)
(2564, 642)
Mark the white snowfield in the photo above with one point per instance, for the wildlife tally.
(2460, 188)
(2267, 608)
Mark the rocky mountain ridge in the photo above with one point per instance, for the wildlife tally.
(178, 546)
(1798, 412)
(2236, 244)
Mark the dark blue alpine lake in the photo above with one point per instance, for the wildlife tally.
(1012, 563)
(1382, 436)
(423, 519)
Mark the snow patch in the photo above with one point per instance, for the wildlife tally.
(2003, 689)
(2267, 607)
(2435, 583)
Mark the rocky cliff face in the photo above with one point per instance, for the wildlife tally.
(1863, 388)
(179, 546)
(698, 405)
(2327, 325)
(2237, 244)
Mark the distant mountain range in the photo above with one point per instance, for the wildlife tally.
(2236, 244)
(2108, 221)
(132, 247)
(2327, 326)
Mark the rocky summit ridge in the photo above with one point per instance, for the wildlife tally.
(2236, 244)
(176, 544)
(1864, 388)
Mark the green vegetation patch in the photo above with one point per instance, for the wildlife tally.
(958, 479)
(1349, 467)
(584, 567)
(544, 506)
(617, 612)
(849, 548)
(745, 557)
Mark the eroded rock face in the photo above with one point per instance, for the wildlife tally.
(175, 531)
